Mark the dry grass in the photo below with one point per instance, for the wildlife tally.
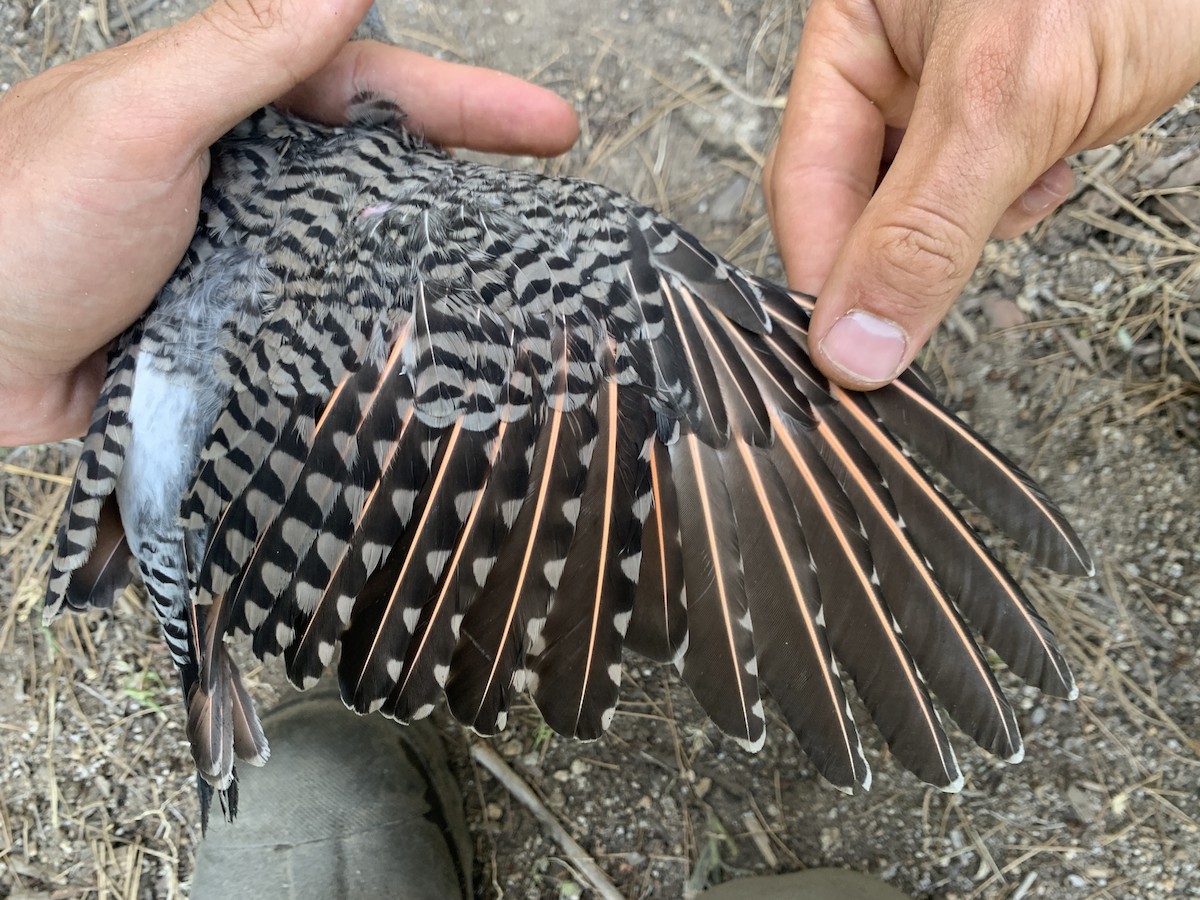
(1102, 304)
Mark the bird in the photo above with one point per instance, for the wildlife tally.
(462, 432)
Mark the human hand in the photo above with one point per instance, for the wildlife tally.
(978, 104)
(103, 160)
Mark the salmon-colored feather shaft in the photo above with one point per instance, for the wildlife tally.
(719, 575)
(436, 607)
(868, 588)
(868, 425)
(697, 316)
(428, 415)
(785, 553)
(605, 547)
(1014, 483)
(389, 371)
(414, 532)
(539, 508)
(917, 567)
(660, 533)
(691, 354)
(344, 554)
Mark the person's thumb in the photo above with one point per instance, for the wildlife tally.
(199, 78)
(919, 238)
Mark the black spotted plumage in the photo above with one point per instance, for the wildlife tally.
(478, 429)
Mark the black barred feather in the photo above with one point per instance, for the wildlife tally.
(389, 607)
(576, 670)
(87, 509)
(386, 428)
(658, 626)
(248, 427)
(359, 601)
(507, 617)
(312, 471)
(861, 628)
(478, 430)
(336, 569)
(1009, 497)
(109, 569)
(719, 664)
(964, 567)
(247, 556)
(932, 627)
(469, 560)
(795, 659)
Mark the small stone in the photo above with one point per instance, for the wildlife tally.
(1002, 313)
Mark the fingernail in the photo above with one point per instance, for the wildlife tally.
(865, 347)
(1048, 191)
(1039, 198)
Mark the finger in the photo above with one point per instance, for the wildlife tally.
(1041, 198)
(846, 86)
(891, 146)
(973, 145)
(196, 80)
(452, 105)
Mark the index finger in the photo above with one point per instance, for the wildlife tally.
(451, 104)
(846, 88)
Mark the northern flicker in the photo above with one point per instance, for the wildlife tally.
(472, 431)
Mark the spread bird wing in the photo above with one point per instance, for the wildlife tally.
(497, 426)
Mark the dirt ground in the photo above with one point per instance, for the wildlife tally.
(1076, 349)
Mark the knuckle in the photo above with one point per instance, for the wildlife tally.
(927, 253)
(242, 19)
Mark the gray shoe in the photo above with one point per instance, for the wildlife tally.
(813, 884)
(345, 808)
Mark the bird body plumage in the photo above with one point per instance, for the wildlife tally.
(481, 428)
